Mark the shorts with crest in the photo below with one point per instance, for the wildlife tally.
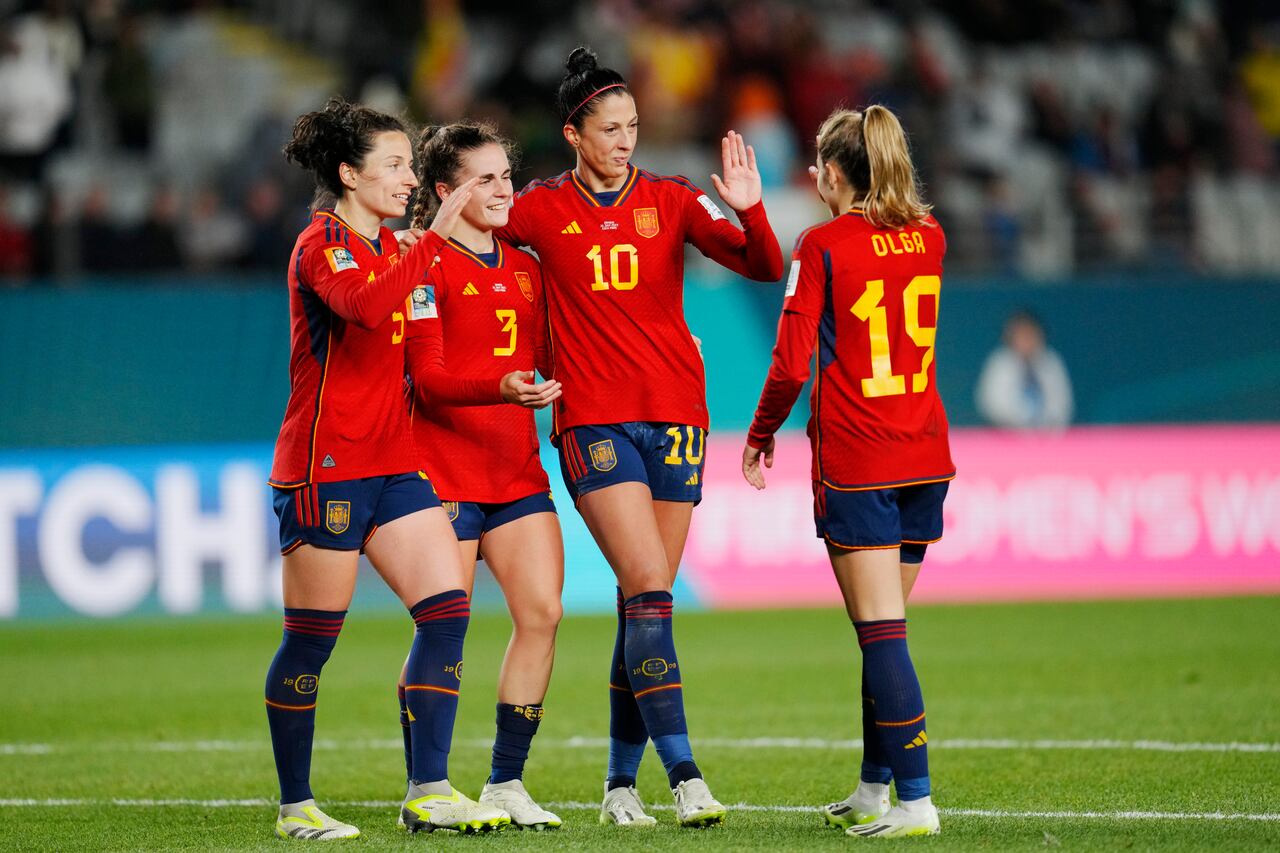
(909, 517)
(343, 515)
(668, 458)
(472, 520)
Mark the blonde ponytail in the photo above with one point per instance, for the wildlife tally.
(871, 149)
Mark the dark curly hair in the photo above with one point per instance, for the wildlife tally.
(438, 157)
(340, 132)
(585, 84)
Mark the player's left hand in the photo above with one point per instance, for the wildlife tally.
(751, 459)
(697, 342)
(518, 388)
(740, 188)
(406, 238)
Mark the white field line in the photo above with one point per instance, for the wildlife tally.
(585, 806)
(783, 743)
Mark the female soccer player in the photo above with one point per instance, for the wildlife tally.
(865, 286)
(483, 327)
(632, 424)
(345, 473)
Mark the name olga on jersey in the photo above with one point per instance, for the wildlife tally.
(911, 242)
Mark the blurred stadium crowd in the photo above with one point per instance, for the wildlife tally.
(1056, 138)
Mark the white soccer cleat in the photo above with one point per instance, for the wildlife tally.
(695, 806)
(867, 802)
(901, 821)
(306, 822)
(513, 799)
(623, 807)
(456, 811)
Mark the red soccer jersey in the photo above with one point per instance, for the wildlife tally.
(348, 304)
(615, 290)
(869, 297)
(474, 323)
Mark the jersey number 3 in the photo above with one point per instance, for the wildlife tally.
(883, 382)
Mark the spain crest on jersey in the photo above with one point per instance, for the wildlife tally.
(647, 221)
(337, 516)
(602, 456)
(451, 507)
(526, 284)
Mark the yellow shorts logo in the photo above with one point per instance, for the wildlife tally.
(337, 516)
(602, 456)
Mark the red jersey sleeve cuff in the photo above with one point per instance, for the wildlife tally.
(757, 438)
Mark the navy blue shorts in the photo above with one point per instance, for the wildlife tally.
(908, 516)
(343, 515)
(471, 520)
(668, 458)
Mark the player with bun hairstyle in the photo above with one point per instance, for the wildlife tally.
(477, 330)
(345, 474)
(865, 286)
(632, 423)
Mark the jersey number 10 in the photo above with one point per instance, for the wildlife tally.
(615, 280)
(883, 381)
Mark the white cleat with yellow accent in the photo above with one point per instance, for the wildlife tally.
(623, 807)
(695, 806)
(305, 822)
(456, 811)
(513, 799)
(917, 817)
(867, 802)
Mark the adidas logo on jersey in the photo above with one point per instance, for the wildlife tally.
(328, 462)
(572, 228)
(692, 481)
(470, 290)
(919, 740)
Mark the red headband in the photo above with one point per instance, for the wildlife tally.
(592, 95)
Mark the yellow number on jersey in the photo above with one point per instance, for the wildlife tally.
(509, 325)
(883, 382)
(616, 281)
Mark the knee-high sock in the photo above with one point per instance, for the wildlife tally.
(516, 726)
(433, 678)
(654, 674)
(293, 681)
(875, 767)
(407, 732)
(899, 707)
(627, 734)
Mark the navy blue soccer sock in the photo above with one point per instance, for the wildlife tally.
(406, 731)
(432, 680)
(875, 767)
(627, 734)
(517, 724)
(654, 676)
(899, 707)
(292, 684)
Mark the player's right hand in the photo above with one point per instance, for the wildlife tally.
(406, 238)
(751, 458)
(451, 207)
(519, 390)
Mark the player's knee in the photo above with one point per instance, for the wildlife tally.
(540, 617)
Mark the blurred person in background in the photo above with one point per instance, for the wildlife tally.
(1024, 384)
(469, 358)
(631, 426)
(129, 87)
(35, 97)
(864, 289)
(16, 246)
(214, 235)
(344, 477)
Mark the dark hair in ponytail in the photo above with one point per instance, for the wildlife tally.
(585, 84)
(340, 132)
(438, 158)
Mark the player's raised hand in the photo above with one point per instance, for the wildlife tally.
(751, 459)
(740, 187)
(406, 238)
(451, 207)
(519, 390)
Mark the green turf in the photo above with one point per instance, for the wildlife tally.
(101, 696)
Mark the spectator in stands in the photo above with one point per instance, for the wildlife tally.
(214, 237)
(35, 98)
(156, 239)
(128, 87)
(15, 243)
(1024, 384)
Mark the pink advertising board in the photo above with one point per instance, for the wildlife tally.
(1121, 512)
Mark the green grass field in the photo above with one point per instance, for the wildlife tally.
(104, 725)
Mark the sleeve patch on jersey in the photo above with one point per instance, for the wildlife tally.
(341, 259)
(424, 302)
(712, 210)
(794, 278)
